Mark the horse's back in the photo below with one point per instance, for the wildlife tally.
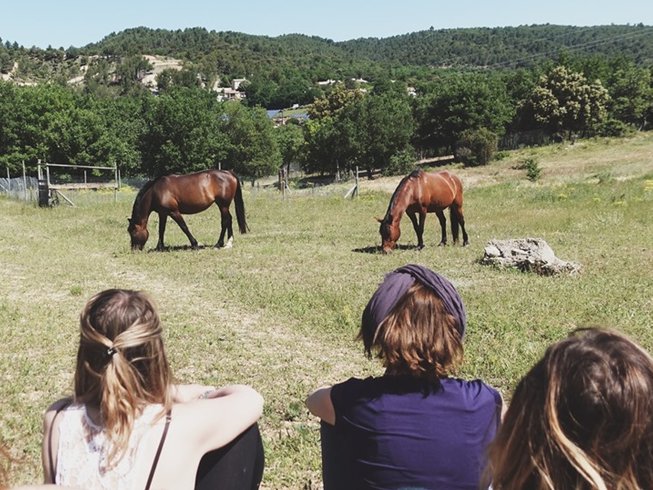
(193, 193)
(443, 188)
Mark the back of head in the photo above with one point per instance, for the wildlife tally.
(121, 362)
(580, 419)
(415, 323)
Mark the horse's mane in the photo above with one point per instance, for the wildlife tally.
(141, 193)
(411, 176)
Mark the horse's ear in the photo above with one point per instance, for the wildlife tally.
(380, 220)
(129, 220)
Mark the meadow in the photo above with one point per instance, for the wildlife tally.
(281, 309)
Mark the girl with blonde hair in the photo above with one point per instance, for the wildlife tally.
(128, 426)
(582, 418)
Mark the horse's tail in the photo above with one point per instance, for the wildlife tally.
(240, 208)
(455, 210)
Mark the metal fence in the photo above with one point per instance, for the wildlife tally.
(24, 189)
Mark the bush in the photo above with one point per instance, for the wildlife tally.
(533, 169)
(400, 164)
(615, 128)
(476, 147)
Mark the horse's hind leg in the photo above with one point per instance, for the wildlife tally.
(457, 218)
(443, 227)
(225, 227)
(176, 215)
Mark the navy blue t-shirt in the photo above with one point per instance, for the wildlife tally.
(407, 434)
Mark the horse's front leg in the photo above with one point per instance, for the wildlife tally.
(162, 229)
(176, 215)
(443, 227)
(225, 227)
(418, 226)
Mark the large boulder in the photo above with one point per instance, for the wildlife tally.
(528, 255)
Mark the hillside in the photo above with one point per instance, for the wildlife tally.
(229, 55)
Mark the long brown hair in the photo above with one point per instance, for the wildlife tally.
(580, 419)
(121, 362)
(418, 337)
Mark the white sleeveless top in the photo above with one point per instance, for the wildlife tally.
(83, 449)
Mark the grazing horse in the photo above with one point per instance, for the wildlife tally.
(174, 195)
(420, 193)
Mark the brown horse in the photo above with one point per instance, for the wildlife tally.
(420, 193)
(172, 195)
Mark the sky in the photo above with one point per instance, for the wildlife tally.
(65, 23)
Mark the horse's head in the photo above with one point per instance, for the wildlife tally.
(389, 235)
(138, 234)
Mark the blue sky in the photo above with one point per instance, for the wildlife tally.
(64, 23)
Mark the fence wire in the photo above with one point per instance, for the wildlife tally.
(17, 188)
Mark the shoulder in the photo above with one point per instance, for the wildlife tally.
(353, 387)
(58, 406)
(473, 392)
(210, 423)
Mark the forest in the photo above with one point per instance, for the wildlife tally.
(376, 104)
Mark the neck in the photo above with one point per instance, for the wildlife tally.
(398, 203)
(142, 206)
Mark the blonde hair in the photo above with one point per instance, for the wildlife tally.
(121, 362)
(418, 337)
(580, 419)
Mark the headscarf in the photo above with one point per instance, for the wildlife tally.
(394, 287)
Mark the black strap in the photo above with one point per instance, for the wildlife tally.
(50, 457)
(158, 451)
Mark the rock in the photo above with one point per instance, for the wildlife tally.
(527, 255)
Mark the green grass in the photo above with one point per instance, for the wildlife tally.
(281, 309)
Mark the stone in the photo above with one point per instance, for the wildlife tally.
(527, 255)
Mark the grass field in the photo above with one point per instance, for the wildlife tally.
(281, 309)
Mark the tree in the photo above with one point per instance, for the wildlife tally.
(384, 126)
(330, 132)
(251, 148)
(566, 101)
(290, 140)
(122, 131)
(476, 146)
(31, 123)
(459, 103)
(631, 95)
(182, 132)
(131, 70)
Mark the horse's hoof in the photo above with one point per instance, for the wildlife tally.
(442, 244)
(420, 247)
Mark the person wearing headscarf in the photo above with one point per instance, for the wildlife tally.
(417, 426)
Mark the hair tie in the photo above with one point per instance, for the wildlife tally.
(111, 351)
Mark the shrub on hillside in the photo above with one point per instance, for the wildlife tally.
(476, 147)
(615, 128)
